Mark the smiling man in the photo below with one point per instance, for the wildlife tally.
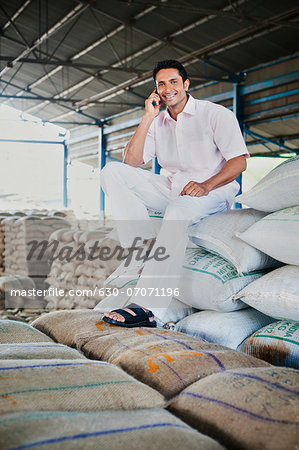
(201, 147)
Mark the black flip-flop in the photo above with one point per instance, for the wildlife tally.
(140, 320)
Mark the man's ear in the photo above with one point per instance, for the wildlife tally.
(186, 84)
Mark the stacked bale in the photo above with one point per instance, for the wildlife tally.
(241, 402)
(78, 271)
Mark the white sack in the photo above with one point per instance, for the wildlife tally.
(275, 294)
(216, 234)
(228, 329)
(277, 235)
(277, 190)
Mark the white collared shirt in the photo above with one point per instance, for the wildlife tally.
(195, 146)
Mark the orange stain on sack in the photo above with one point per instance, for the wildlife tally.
(100, 325)
(13, 402)
(141, 333)
(153, 367)
(190, 353)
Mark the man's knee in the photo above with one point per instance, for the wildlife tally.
(110, 168)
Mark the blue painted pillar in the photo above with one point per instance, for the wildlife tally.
(238, 111)
(101, 164)
(65, 156)
(156, 166)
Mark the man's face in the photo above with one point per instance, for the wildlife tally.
(171, 87)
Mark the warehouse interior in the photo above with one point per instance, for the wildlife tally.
(241, 54)
(222, 372)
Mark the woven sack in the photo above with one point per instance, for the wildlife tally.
(277, 190)
(248, 409)
(228, 329)
(12, 331)
(115, 430)
(43, 350)
(165, 360)
(216, 234)
(277, 235)
(63, 326)
(71, 385)
(275, 294)
(277, 343)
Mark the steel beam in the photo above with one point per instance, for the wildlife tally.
(101, 164)
(65, 156)
(271, 141)
(71, 15)
(16, 15)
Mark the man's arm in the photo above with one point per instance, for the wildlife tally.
(229, 172)
(133, 154)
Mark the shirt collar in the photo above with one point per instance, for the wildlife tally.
(188, 109)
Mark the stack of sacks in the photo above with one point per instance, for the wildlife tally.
(21, 235)
(277, 235)
(211, 278)
(77, 273)
(51, 394)
(18, 292)
(218, 391)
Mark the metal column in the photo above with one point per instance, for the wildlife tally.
(156, 166)
(237, 109)
(65, 156)
(101, 164)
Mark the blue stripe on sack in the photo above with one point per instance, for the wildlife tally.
(100, 433)
(189, 348)
(160, 360)
(90, 363)
(275, 385)
(69, 387)
(239, 410)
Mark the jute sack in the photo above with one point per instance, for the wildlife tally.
(275, 294)
(248, 409)
(117, 430)
(277, 235)
(228, 329)
(277, 190)
(64, 326)
(12, 331)
(216, 234)
(42, 350)
(165, 360)
(71, 385)
(277, 343)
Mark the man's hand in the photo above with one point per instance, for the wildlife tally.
(195, 189)
(149, 107)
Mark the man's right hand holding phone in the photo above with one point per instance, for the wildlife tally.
(153, 104)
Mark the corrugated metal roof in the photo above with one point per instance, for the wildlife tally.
(75, 50)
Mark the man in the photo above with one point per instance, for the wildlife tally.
(201, 146)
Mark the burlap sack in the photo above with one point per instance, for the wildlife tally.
(71, 385)
(12, 331)
(165, 360)
(115, 430)
(277, 343)
(38, 351)
(63, 326)
(245, 409)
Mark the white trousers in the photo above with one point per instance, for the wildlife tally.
(131, 192)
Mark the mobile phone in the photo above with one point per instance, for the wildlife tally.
(153, 102)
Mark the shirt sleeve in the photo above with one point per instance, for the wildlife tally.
(149, 149)
(227, 134)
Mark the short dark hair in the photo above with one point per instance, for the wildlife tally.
(170, 64)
